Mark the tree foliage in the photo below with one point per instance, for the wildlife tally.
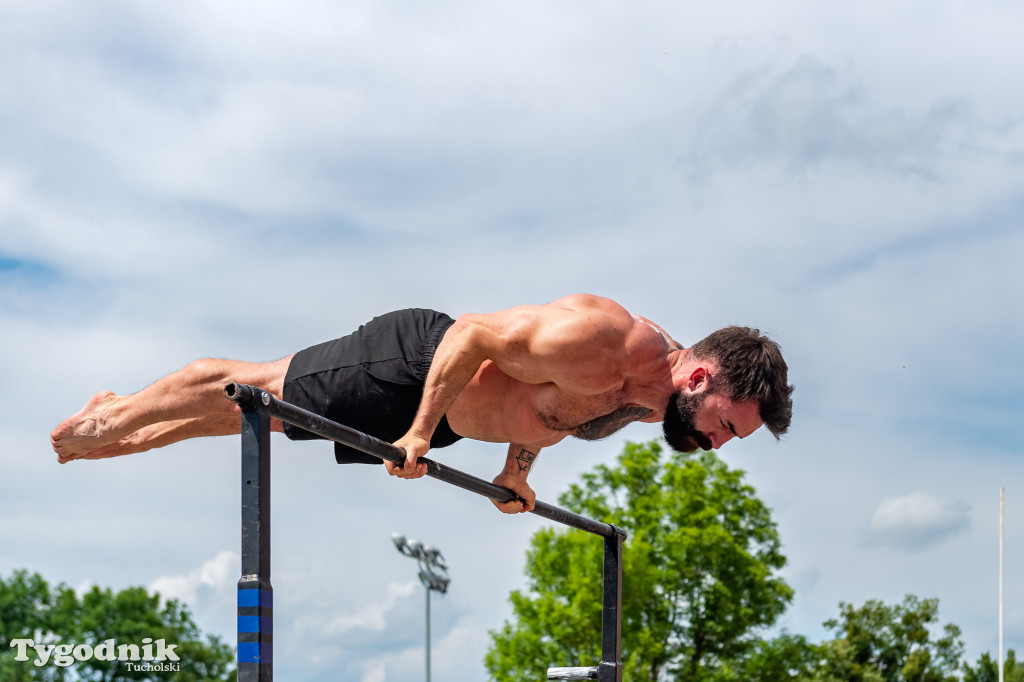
(877, 642)
(700, 573)
(987, 669)
(786, 658)
(31, 609)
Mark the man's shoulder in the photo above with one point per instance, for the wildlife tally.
(590, 303)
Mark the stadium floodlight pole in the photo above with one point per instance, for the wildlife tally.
(433, 573)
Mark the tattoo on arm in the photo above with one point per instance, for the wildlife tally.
(599, 428)
(525, 459)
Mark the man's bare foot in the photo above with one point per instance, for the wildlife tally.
(126, 446)
(88, 430)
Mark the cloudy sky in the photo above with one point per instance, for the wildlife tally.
(243, 180)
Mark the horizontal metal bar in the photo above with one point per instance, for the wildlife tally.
(572, 673)
(246, 396)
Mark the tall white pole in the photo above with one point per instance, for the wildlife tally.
(1000, 585)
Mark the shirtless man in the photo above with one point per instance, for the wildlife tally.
(529, 376)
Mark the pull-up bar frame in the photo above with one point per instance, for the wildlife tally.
(255, 593)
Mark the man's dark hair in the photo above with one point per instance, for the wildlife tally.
(751, 368)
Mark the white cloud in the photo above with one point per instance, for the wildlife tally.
(449, 658)
(84, 587)
(917, 521)
(810, 113)
(375, 672)
(372, 617)
(213, 574)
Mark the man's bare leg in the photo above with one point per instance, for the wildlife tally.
(162, 434)
(189, 396)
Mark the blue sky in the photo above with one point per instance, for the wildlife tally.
(237, 180)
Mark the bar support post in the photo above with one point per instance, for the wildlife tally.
(610, 669)
(255, 594)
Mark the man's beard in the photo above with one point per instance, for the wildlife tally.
(680, 433)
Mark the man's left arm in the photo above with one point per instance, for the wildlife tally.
(518, 464)
(577, 343)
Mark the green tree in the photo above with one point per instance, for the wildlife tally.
(987, 669)
(24, 604)
(699, 571)
(787, 658)
(31, 609)
(881, 643)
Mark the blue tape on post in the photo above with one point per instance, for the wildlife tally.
(255, 652)
(264, 598)
(262, 624)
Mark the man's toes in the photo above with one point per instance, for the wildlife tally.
(61, 430)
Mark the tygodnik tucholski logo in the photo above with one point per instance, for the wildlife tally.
(66, 654)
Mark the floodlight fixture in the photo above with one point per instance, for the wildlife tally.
(433, 573)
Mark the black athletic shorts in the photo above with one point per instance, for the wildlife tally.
(371, 380)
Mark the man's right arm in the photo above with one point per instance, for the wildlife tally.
(518, 464)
